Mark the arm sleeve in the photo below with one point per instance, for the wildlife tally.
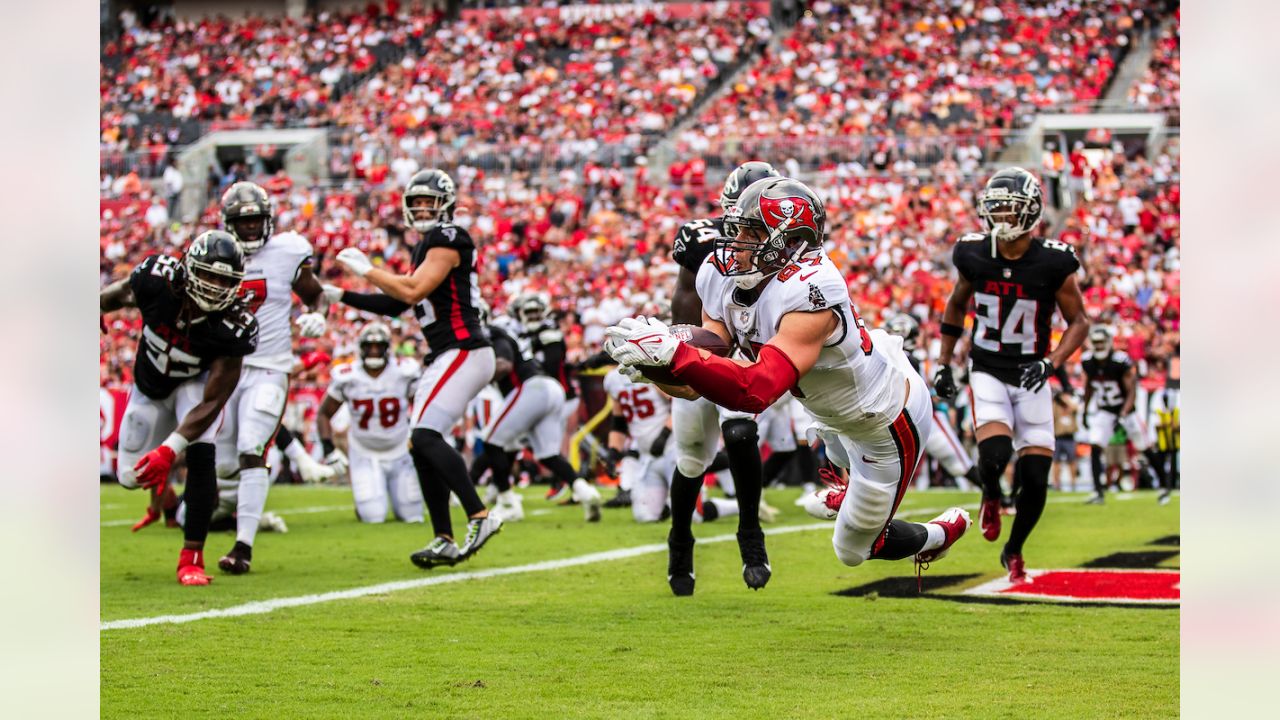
(750, 388)
(375, 303)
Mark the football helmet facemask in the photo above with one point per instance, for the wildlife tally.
(440, 197)
(775, 221)
(214, 265)
(1010, 205)
(246, 214)
(375, 345)
(743, 177)
(906, 327)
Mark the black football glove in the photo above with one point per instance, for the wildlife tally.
(1035, 375)
(944, 384)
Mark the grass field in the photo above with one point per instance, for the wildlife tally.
(607, 639)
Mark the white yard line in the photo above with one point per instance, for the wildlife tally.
(265, 606)
(285, 512)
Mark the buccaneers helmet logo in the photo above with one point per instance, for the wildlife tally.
(787, 213)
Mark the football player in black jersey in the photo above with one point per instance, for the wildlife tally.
(1015, 281)
(540, 330)
(532, 408)
(444, 294)
(194, 336)
(1111, 380)
(695, 447)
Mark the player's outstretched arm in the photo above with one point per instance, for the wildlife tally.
(1130, 384)
(115, 296)
(425, 279)
(953, 318)
(308, 289)
(224, 374)
(755, 386)
(1071, 305)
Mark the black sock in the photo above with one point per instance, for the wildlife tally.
(718, 463)
(684, 498)
(479, 464)
(201, 493)
(1156, 463)
(1032, 472)
(434, 493)
(972, 477)
(902, 539)
(993, 457)
(559, 467)
(499, 462)
(445, 471)
(284, 438)
(742, 444)
(1099, 472)
(776, 465)
(807, 464)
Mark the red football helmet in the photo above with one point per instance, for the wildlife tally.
(775, 220)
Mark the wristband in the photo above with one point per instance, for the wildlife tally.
(176, 443)
(326, 446)
(619, 424)
(951, 330)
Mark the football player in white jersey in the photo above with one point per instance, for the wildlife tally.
(379, 389)
(276, 268)
(771, 290)
(642, 415)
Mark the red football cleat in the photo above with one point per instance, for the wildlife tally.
(954, 522)
(191, 568)
(1013, 563)
(989, 519)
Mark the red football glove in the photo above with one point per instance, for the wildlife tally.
(151, 516)
(153, 468)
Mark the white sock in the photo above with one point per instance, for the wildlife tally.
(253, 498)
(936, 536)
(584, 491)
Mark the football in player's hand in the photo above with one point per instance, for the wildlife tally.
(691, 335)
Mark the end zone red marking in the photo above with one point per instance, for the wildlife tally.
(1090, 585)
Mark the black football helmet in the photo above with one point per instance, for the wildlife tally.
(531, 309)
(742, 178)
(775, 220)
(436, 185)
(246, 214)
(1010, 205)
(214, 266)
(375, 345)
(906, 327)
(1101, 341)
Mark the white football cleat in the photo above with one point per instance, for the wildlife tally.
(509, 506)
(589, 497)
(312, 471)
(271, 522)
(954, 522)
(768, 513)
(490, 494)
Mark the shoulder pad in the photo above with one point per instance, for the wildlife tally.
(448, 234)
(550, 335)
(1121, 357)
(409, 367)
(972, 237)
(344, 371)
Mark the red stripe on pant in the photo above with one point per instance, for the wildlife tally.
(514, 399)
(907, 439)
(448, 373)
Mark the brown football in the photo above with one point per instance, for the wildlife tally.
(692, 335)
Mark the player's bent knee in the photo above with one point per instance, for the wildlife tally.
(128, 478)
(740, 432)
(994, 454)
(691, 467)
(849, 555)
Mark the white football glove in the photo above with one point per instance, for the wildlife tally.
(310, 325)
(637, 342)
(632, 373)
(332, 294)
(355, 261)
(338, 461)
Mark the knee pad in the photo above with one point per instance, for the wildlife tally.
(690, 466)
(740, 432)
(994, 454)
(228, 468)
(850, 556)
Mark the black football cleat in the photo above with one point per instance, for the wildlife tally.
(755, 561)
(237, 561)
(680, 566)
